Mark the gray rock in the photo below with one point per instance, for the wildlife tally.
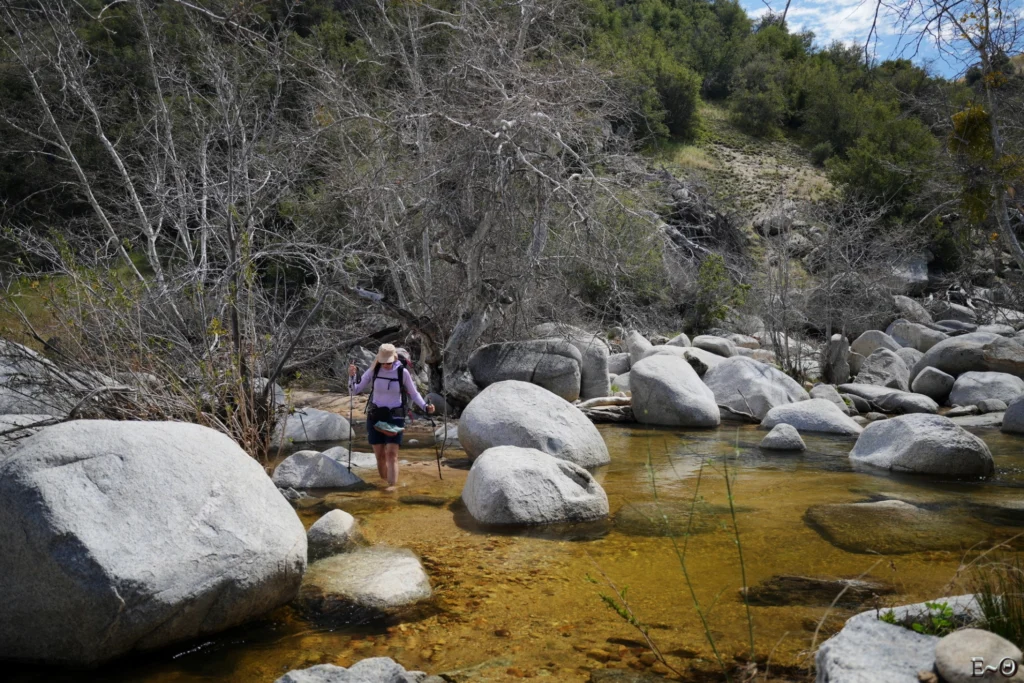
(637, 345)
(829, 393)
(954, 327)
(814, 415)
(946, 310)
(871, 651)
(313, 470)
(260, 383)
(884, 368)
(742, 341)
(872, 340)
(855, 404)
(594, 354)
(909, 356)
(961, 411)
(783, 437)
(747, 387)
(998, 328)
(679, 340)
(783, 590)
(914, 335)
(511, 485)
(309, 424)
(521, 414)
(923, 444)
(957, 355)
(667, 391)
(891, 400)
(336, 532)
(856, 362)
(910, 275)
(986, 420)
(1013, 420)
(618, 364)
(911, 310)
(991, 405)
(874, 417)
(621, 383)
(699, 359)
(442, 406)
(16, 428)
(374, 670)
(555, 365)
(971, 388)
(933, 383)
(449, 435)
(716, 345)
(892, 527)
(119, 536)
(364, 585)
(837, 363)
(955, 656)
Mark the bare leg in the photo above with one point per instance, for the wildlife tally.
(391, 453)
(382, 466)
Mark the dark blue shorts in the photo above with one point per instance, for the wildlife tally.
(375, 437)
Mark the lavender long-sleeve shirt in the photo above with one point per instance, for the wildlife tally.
(386, 392)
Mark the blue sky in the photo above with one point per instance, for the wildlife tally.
(850, 21)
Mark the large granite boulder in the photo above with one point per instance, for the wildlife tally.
(618, 364)
(746, 387)
(837, 360)
(594, 368)
(829, 393)
(890, 400)
(314, 470)
(699, 359)
(814, 415)
(667, 391)
(119, 536)
(884, 368)
(637, 345)
(719, 346)
(923, 444)
(910, 309)
(520, 414)
(971, 388)
(373, 670)
(511, 485)
(1013, 419)
(367, 584)
(933, 383)
(872, 340)
(679, 340)
(555, 365)
(975, 351)
(914, 335)
(309, 425)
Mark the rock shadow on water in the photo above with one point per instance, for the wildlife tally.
(673, 518)
(576, 531)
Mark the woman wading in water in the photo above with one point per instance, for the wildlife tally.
(390, 384)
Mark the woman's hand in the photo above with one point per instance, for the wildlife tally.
(351, 370)
(430, 409)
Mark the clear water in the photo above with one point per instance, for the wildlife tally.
(520, 604)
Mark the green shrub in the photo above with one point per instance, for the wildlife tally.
(716, 293)
(820, 153)
(758, 102)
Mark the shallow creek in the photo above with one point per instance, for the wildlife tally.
(512, 605)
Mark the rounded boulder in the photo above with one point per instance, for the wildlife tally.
(748, 387)
(920, 443)
(667, 391)
(513, 413)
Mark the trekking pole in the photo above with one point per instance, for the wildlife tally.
(437, 454)
(444, 441)
(351, 431)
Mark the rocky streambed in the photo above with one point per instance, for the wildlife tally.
(506, 605)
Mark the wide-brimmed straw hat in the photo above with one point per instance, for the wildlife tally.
(386, 353)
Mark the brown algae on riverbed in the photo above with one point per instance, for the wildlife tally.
(514, 605)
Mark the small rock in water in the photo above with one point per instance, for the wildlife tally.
(782, 590)
(412, 442)
(955, 656)
(374, 670)
(335, 532)
(783, 437)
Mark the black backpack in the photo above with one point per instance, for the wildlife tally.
(377, 414)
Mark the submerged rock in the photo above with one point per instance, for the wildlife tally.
(892, 527)
(374, 670)
(923, 444)
(119, 536)
(783, 437)
(510, 485)
(784, 590)
(667, 391)
(748, 387)
(814, 415)
(364, 585)
(671, 518)
(522, 414)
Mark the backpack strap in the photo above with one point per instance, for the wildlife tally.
(401, 387)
